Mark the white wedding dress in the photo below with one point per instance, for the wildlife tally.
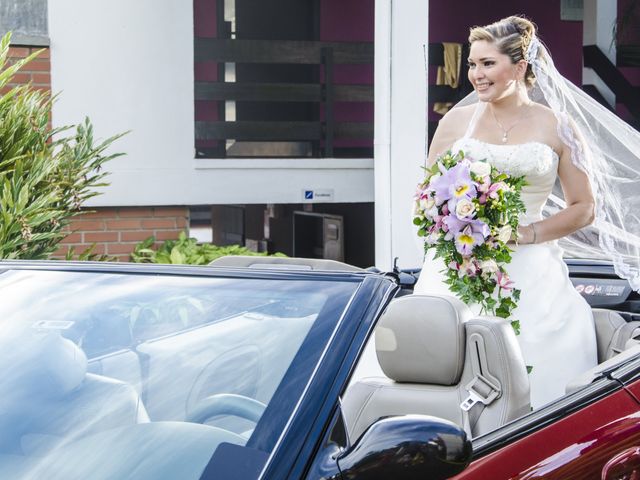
(557, 332)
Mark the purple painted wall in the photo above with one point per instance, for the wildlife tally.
(350, 21)
(204, 25)
(450, 22)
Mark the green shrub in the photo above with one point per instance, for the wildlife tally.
(186, 250)
(45, 174)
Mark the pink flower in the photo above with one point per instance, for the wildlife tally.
(503, 281)
(495, 188)
(483, 186)
(453, 265)
(445, 209)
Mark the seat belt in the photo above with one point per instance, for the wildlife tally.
(483, 388)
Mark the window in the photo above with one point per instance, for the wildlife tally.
(27, 19)
(284, 78)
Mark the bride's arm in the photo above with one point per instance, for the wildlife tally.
(447, 132)
(578, 213)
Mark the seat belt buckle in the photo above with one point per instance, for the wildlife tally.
(480, 390)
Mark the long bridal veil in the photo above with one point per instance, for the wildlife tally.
(608, 150)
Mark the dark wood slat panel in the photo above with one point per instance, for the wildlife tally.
(258, 131)
(259, 92)
(279, 92)
(353, 93)
(615, 80)
(346, 130)
(628, 55)
(278, 131)
(279, 51)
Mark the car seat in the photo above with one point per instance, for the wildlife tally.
(439, 360)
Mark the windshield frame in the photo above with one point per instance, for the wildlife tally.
(312, 351)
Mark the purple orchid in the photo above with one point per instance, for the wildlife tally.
(454, 184)
(455, 225)
(466, 239)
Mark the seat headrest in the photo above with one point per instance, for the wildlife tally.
(39, 365)
(421, 339)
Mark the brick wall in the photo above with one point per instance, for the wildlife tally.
(116, 231)
(38, 71)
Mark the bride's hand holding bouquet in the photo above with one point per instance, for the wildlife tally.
(468, 212)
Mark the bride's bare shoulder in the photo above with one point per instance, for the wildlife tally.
(456, 120)
(546, 124)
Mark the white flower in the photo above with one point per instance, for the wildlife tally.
(504, 234)
(465, 208)
(427, 203)
(432, 238)
(489, 266)
(481, 169)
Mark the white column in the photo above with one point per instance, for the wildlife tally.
(597, 29)
(400, 125)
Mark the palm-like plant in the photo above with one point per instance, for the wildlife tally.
(45, 174)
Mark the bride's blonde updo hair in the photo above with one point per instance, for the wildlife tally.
(511, 36)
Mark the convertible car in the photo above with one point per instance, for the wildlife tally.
(259, 368)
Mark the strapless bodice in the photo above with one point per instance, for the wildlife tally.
(536, 161)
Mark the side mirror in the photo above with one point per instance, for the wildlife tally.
(407, 447)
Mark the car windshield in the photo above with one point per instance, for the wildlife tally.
(107, 375)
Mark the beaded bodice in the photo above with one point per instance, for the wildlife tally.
(537, 161)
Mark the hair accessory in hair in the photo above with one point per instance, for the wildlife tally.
(532, 50)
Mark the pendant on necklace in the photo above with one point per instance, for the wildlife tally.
(504, 137)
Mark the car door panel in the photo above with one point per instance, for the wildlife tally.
(575, 447)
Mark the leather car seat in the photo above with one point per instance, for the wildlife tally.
(48, 396)
(613, 333)
(439, 360)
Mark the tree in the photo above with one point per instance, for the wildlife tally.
(46, 174)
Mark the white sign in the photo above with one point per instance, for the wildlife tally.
(317, 195)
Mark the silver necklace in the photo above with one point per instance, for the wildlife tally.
(505, 131)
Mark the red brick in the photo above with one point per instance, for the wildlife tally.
(171, 212)
(18, 52)
(135, 212)
(38, 65)
(61, 251)
(45, 53)
(123, 224)
(167, 234)
(20, 78)
(159, 223)
(101, 214)
(73, 238)
(87, 225)
(181, 222)
(122, 258)
(41, 78)
(135, 236)
(120, 247)
(101, 237)
(98, 249)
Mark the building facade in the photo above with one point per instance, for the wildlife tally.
(285, 125)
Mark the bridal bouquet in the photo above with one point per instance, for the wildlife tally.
(468, 211)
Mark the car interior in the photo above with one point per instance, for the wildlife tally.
(436, 358)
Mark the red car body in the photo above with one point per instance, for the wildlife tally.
(599, 441)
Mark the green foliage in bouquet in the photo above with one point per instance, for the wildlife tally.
(45, 174)
(468, 211)
(186, 250)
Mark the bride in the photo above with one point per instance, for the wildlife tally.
(522, 137)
